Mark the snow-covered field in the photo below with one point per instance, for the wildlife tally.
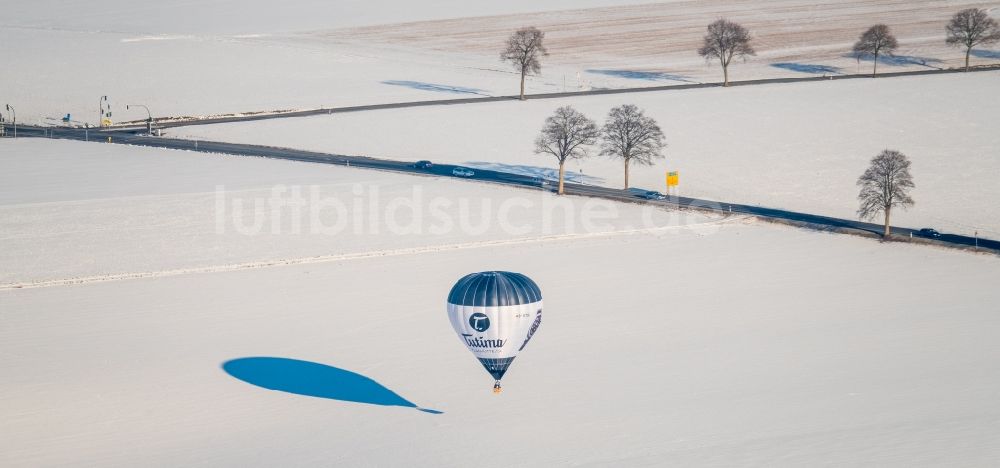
(243, 17)
(188, 59)
(183, 58)
(737, 344)
(131, 278)
(794, 146)
(86, 211)
(654, 42)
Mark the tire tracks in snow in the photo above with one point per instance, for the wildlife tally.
(332, 258)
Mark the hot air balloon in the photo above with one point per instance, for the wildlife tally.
(495, 314)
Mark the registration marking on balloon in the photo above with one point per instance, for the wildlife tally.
(495, 314)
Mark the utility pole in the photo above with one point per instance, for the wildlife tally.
(105, 113)
(149, 117)
(13, 115)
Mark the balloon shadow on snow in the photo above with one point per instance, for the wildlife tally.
(315, 380)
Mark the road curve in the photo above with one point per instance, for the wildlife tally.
(484, 175)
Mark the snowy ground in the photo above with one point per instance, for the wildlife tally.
(757, 345)
(86, 211)
(129, 276)
(223, 56)
(737, 343)
(245, 17)
(184, 58)
(794, 146)
(655, 41)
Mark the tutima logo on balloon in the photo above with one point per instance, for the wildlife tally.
(479, 322)
(480, 342)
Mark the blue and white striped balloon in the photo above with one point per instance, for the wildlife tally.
(495, 314)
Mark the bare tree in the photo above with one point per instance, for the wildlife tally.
(970, 28)
(565, 135)
(724, 41)
(876, 40)
(885, 184)
(630, 135)
(524, 50)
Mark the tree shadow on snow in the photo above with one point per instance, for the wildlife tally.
(808, 68)
(536, 171)
(642, 75)
(990, 54)
(899, 60)
(315, 380)
(435, 87)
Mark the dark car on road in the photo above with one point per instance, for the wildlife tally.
(653, 195)
(929, 233)
(423, 164)
(540, 181)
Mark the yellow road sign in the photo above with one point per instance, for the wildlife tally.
(673, 178)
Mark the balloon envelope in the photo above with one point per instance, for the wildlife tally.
(495, 314)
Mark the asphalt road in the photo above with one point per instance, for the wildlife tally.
(482, 175)
(595, 92)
